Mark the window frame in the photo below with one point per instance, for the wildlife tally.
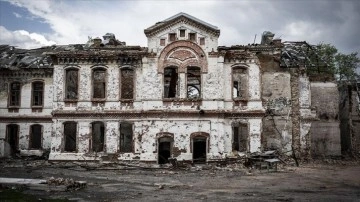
(186, 83)
(133, 84)
(246, 73)
(170, 37)
(121, 148)
(103, 126)
(33, 94)
(177, 89)
(31, 137)
(64, 137)
(66, 84)
(93, 83)
(18, 95)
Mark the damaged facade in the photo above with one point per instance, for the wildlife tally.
(182, 97)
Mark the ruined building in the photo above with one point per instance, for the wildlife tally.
(182, 96)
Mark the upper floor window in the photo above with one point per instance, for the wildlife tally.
(15, 92)
(172, 37)
(37, 93)
(99, 83)
(170, 82)
(127, 83)
(240, 83)
(70, 130)
(182, 32)
(192, 36)
(193, 82)
(202, 41)
(162, 42)
(71, 84)
(35, 136)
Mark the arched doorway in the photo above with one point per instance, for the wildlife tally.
(199, 146)
(165, 144)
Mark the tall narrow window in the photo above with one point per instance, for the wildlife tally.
(35, 136)
(12, 137)
(71, 84)
(172, 37)
(162, 42)
(14, 98)
(98, 136)
(202, 41)
(192, 36)
(240, 138)
(99, 83)
(170, 82)
(127, 84)
(126, 137)
(37, 94)
(193, 82)
(70, 136)
(240, 83)
(182, 32)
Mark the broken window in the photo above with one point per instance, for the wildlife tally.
(240, 83)
(71, 84)
(12, 137)
(14, 98)
(199, 149)
(170, 82)
(162, 42)
(98, 136)
(192, 36)
(127, 84)
(126, 137)
(165, 147)
(37, 93)
(99, 83)
(35, 136)
(240, 138)
(172, 37)
(70, 136)
(193, 82)
(182, 32)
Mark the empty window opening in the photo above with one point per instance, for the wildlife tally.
(164, 150)
(35, 137)
(199, 149)
(98, 137)
(182, 32)
(71, 88)
(193, 82)
(14, 94)
(170, 82)
(12, 137)
(99, 83)
(70, 136)
(127, 84)
(162, 42)
(240, 138)
(202, 41)
(37, 93)
(192, 36)
(240, 83)
(172, 37)
(126, 137)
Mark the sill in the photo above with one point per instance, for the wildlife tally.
(182, 99)
(127, 100)
(37, 109)
(13, 110)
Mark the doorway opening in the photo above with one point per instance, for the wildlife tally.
(199, 149)
(12, 137)
(164, 150)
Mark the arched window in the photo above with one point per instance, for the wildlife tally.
(171, 82)
(71, 84)
(99, 83)
(193, 82)
(14, 94)
(70, 130)
(37, 94)
(35, 136)
(240, 83)
(98, 136)
(126, 137)
(127, 83)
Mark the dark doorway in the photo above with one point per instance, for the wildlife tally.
(70, 136)
(12, 137)
(98, 136)
(35, 137)
(199, 150)
(164, 150)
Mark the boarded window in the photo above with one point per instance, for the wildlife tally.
(12, 137)
(193, 82)
(98, 137)
(202, 41)
(240, 83)
(162, 42)
(192, 36)
(170, 82)
(99, 83)
(126, 137)
(35, 136)
(182, 32)
(127, 84)
(172, 37)
(71, 88)
(37, 93)
(240, 138)
(70, 136)
(14, 94)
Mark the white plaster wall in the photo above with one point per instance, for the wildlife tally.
(255, 135)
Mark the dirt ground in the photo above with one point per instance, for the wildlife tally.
(328, 181)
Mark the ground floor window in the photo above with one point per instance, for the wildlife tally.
(35, 136)
(165, 145)
(126, 137)
(240, 137)
(98, 136)
(12, 137)
(70, 136)
(199, 146)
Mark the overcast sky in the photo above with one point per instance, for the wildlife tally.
(35, 23)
